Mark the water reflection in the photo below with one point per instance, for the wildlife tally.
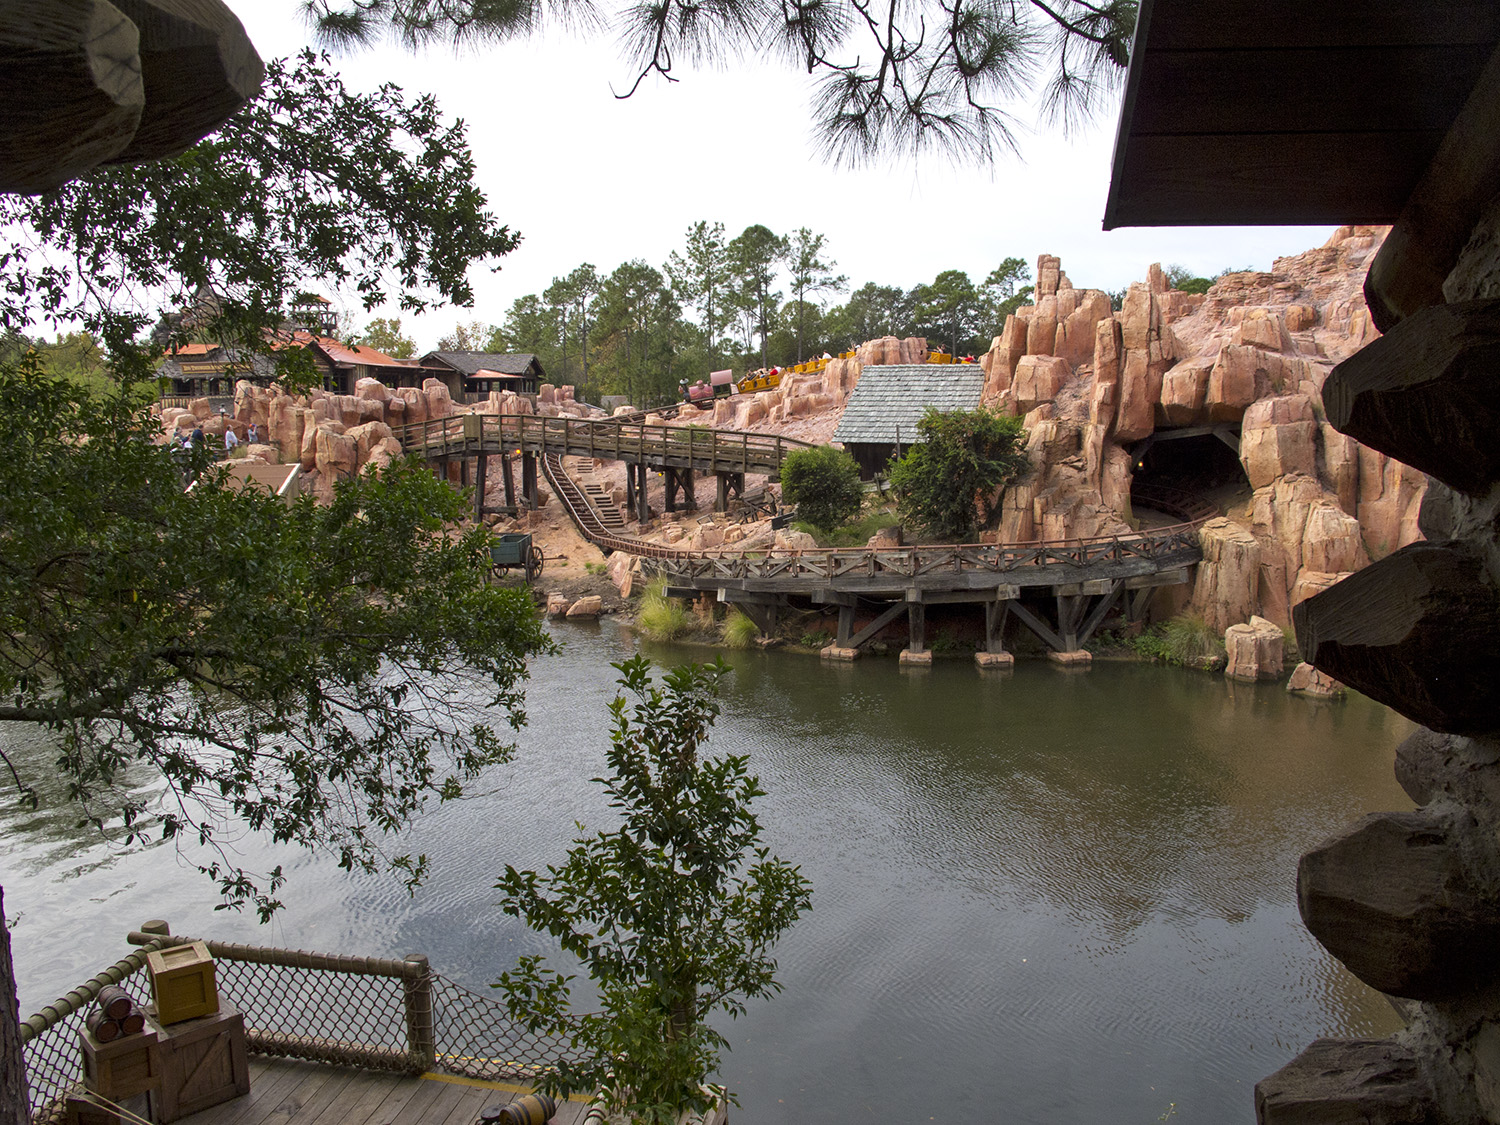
(1042, 897)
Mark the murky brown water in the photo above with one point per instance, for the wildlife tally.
(1049, 897)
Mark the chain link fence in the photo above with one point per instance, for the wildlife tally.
(365, 1012)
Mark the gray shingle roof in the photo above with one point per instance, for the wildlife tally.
(896, 396)
(252, 366)
(472, 362)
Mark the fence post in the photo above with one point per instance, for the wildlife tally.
(419, 1035)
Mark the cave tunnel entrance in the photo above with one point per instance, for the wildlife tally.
(1184, 472)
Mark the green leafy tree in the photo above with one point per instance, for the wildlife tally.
(753, 257)
(904, 77)
(824, 484)
(810, 275)
(1183, 280)
(871, 312)
(472, 336)
(636, 316)
(532, 326)
(1003, 292)
(258, 211)
(384, 335)
(701, 278)
(673, 913)
(950, 310)
(948, 485)
(318, 673)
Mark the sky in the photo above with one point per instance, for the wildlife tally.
(585, 177)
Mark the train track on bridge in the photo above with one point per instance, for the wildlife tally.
(1087, 576)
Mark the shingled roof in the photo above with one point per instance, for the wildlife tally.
(887, 402)
(471, 363)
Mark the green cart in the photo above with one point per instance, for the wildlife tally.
(514, 548)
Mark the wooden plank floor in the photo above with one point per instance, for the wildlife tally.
(286, 1092)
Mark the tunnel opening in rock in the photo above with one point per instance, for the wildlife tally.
(1182, 475)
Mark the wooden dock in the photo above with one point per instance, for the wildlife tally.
(289, 1092)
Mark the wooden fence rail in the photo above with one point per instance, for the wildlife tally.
(688, 447)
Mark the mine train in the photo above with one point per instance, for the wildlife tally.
(721, 384)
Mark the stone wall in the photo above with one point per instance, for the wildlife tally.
(1410, 901)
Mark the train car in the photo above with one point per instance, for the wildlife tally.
(700, 394)
(722, 383)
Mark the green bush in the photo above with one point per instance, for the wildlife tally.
(824, 484)
(672, 911)
(946, 484)
(1186, 641)
(739, 631)
(855, 534)
(662, 618)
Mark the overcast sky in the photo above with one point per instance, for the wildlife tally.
(588, 178)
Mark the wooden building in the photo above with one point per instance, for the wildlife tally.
(473, 375)
(881, 416)
(210, 371)
(343, 365)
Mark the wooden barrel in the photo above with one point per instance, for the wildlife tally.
(134, 1023)
(115, 1002)
(529, 1109)
(101, 1027)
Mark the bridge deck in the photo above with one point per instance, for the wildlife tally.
(287, 1092)
(676, 447)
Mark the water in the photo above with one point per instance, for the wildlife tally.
(1046, 897)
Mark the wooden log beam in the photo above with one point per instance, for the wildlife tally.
(1418, 631)
(874, 627)
(70, 81)
(1039, 627)
(199, 67)
(1394, 897)
(1408, 272)
(1425, 394)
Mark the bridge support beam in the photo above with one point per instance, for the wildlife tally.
(635, 489)
(916, 650)
(730, 485)
(528, 481)
(759, 608)
(674, 479)
(508, 477)
(481, 472)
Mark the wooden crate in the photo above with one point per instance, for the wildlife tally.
(182, 981)
(203, 1063)
(122, 1067)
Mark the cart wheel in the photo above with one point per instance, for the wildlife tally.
(534, 564)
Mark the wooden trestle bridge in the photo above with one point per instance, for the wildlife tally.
(678, 452)
(1060, 591)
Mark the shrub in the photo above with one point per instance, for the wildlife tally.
(739, 631)
(1186, 641)
(824, 484)
(946, 484)
(672, 912)
(662, 618)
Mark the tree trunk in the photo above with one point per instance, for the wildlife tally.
(14, 1108)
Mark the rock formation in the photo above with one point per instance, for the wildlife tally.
(1252, 354)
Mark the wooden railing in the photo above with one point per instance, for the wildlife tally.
(722, 451)
(1169, 546)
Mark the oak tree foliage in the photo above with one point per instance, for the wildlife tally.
(309, 185)
(672, 912)
(316, 673)
(823, 482)
(947, 486)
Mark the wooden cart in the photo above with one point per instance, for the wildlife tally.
(515, 548)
